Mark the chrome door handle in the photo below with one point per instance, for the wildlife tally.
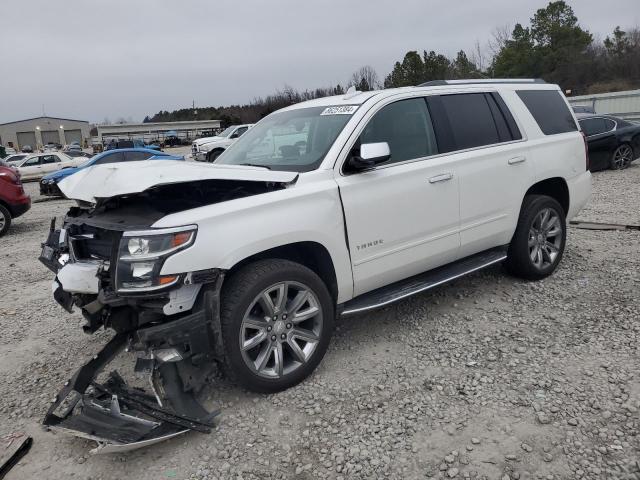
(516, 160)
(443, 177)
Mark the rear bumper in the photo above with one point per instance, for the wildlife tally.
(579, 193)
(21, 208)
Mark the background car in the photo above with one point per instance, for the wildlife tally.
(207, 149)
(49, 183)
(13, 199)
(37, 165)
(8, 151)
(78, 153)
(613, 142)
(26, 149)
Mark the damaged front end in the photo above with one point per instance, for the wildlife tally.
(108, 260)
(113, 276)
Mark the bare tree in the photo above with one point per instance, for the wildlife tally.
(478, 57)
(499, 38)
(364, 79)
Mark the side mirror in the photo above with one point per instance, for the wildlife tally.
(371, 154)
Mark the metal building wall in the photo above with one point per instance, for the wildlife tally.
(621, 104)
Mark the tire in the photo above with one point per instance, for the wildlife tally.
(268, 339)
(213, 154)
(533, 253)
(621, 157)
(5, 220)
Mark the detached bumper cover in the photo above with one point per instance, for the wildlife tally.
(118, 417)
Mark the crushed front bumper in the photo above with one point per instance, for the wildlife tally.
(176, 351)
(117, 417)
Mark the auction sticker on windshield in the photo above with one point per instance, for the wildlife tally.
(340, 110)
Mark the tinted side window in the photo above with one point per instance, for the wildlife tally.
(471, 120)
(609, 124)
(594, 126)
(111, 158)
(549, 110)
(50, 159)
(133, 156)
(406, 126)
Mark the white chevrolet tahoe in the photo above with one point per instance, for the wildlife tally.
(330, 207)
(207, 149)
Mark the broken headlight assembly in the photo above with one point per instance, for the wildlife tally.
(141, 255)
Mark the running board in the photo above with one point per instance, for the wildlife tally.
(423, 281)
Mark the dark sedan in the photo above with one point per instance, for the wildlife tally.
(613, 142)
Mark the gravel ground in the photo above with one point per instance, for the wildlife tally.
(487, 377)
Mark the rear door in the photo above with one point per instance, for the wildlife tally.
(401, 216)
(50, 163)
(493, 166)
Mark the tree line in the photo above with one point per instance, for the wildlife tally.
(552, 46)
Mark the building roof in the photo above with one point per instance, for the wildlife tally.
(45, 117)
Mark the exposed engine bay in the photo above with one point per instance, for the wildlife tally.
(107, 260)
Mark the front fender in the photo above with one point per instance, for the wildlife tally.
(233, 231)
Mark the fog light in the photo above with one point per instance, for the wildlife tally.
(142, 269)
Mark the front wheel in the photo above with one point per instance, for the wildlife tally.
(539, 240)
(277, 321)
(213, 155)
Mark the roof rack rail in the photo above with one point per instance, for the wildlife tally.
(438, 83)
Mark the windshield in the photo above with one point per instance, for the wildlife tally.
(295, 141)
(226, 132)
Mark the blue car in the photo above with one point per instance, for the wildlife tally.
(49, 184)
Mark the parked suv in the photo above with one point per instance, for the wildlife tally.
(331, 207)
(207, 149)
(13, 199)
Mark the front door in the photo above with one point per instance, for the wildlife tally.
(402, 216)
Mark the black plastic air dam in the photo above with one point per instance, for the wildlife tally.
(120, 418)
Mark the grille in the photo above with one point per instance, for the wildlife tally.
(90, 243)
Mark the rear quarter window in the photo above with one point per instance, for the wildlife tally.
(549, 110)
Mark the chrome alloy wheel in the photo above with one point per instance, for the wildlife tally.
(281, 329)
(545, 238)
(622, 157)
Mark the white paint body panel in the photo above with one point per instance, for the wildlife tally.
(402, 223)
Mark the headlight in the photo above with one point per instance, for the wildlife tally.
(141, 255)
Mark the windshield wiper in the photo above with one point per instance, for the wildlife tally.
(255, 165)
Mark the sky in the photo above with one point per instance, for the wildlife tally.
(97, 59)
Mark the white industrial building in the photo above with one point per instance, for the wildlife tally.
(39, 131)
(624, 104)
(157, 131)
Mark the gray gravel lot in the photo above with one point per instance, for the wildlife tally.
(487, 377)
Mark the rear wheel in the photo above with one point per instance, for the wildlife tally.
(539, 240)
(277, 321)
(5, 220)
(213, 154)
(621, 157)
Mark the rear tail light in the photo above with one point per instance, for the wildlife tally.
(586, 151)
